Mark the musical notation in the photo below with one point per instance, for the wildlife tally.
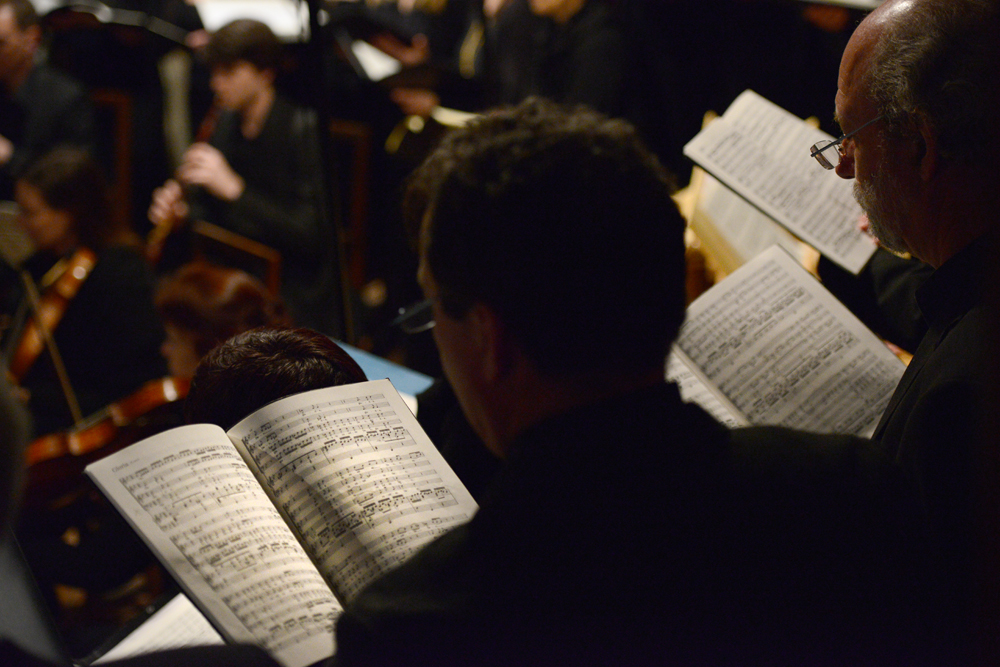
(759, 151)
(348, 472)
(784, 352)
(312, 495)
(207, 503)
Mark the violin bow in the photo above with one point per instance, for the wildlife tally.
(50, 344)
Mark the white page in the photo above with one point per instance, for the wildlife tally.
(784, 351)
(723, 218)
(191, 497)
(377, 64)
(174, 625)
(694, 389)
(353, 470)
(761, 152)
(287, 19)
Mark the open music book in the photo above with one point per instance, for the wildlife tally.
(770, 345)
(761, 152)
(733, 231)
(271, 526)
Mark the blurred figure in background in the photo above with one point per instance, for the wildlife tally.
(40, 107)
(202, 305)
(259, 173)
(88, 266)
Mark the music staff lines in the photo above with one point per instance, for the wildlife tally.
(238, 542)
(361, 564)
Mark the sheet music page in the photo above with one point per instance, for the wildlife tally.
(188, 493)
(377, 64)
(694, 389)
(785, 352)
(174, 625)
(288, 19)
(356, 476)
(761, 152)
(734, 231)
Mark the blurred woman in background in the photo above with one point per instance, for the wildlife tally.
(203, 305)
(87, 277)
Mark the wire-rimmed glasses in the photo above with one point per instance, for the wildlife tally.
(415, 318)
(831, 160)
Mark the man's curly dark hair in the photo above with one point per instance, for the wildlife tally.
(561, 221)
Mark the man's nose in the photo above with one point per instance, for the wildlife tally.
(845, 168)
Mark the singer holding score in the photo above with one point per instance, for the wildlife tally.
(258, 172)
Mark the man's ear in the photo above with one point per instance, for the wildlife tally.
(927, 152)
(492, 341)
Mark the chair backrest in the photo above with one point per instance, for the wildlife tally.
(222, 246)
(356, 137)
(113, 109)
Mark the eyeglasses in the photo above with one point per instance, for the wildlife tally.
(831, 160)
(415, 318)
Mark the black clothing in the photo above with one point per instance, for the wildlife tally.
(49, 109)
(282, 206)
(441, 417)
(934, 421)
(935, 417)
(883, 295)
(608, 58)
(640, 531)
(109, 337)
(584, 61)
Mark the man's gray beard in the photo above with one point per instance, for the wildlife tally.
(881, 201)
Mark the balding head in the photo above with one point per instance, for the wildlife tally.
(924, 74)
(938, 59)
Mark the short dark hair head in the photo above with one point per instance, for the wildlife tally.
(257, 367)
(216, 302)
(244, 39)
(939, 59)
(562, 222)
(70, 180)
(25, 14)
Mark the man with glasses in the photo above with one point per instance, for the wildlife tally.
(918, 99)
(624, 526)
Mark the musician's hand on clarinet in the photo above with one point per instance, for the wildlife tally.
(168, 205)
(204, 165)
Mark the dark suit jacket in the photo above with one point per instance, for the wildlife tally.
(640, 531)
(282, 205)
(883, 295)
(934, 423)
(49, 109)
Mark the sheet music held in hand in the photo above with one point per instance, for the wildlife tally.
(761, 152)
(769, 345)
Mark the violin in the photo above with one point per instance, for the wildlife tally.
(51, 307)
(56, 461)
(100, 428)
